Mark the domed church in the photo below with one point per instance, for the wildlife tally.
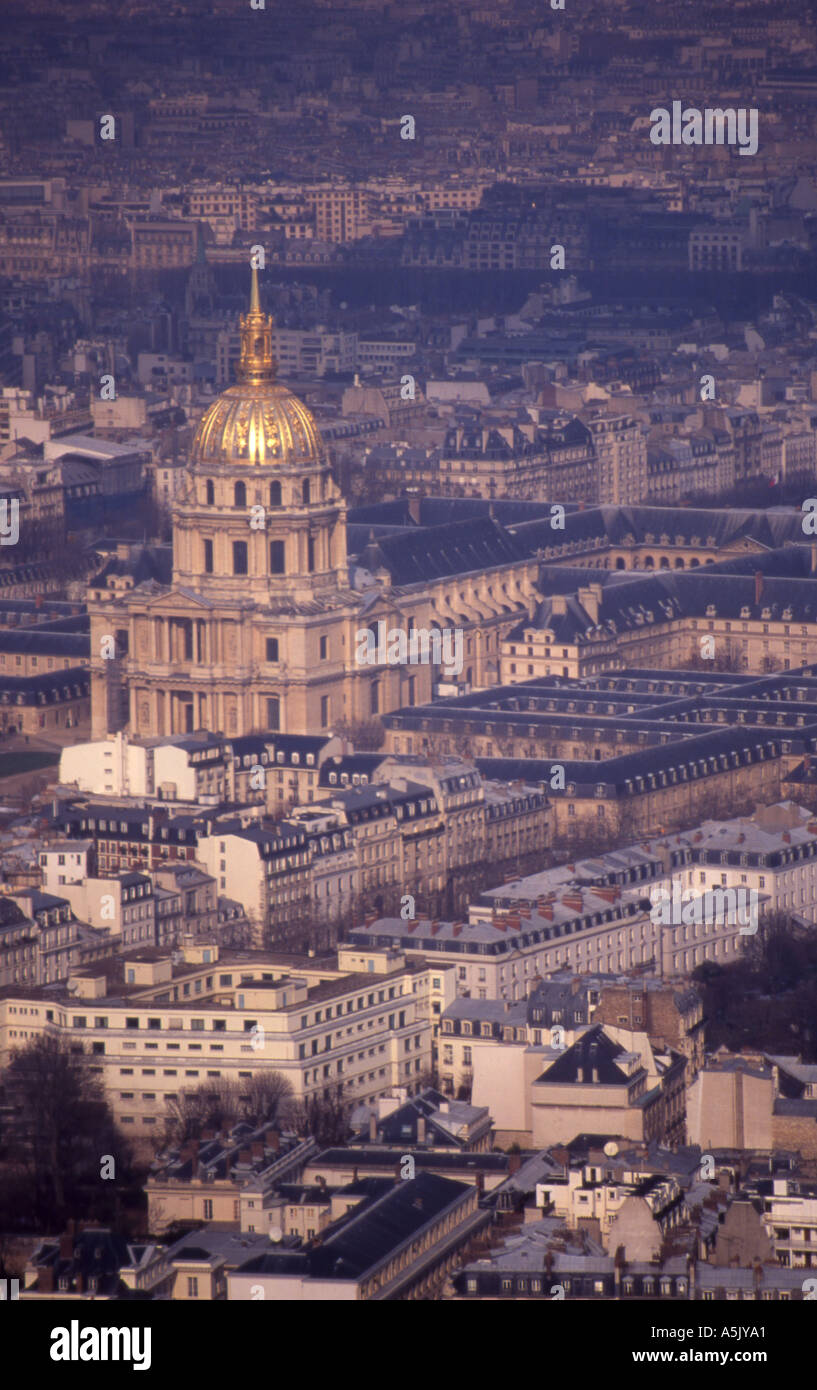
(256, 629)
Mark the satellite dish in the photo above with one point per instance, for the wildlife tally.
(276, 1234)
(611, 1148)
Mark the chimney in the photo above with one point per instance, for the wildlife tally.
(67, 1244)
(758, 586)
(257, 1149)
(514, 1163)
(372, 1129)
(421, 1130)
(275, 1141)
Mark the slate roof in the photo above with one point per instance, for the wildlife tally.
(594, 1050)
(372, 1231)
(458, 548)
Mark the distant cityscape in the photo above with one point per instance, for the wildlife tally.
(408, 657)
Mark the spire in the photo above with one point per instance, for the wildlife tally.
(256, 365)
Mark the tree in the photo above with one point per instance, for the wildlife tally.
(366, 734)
(265, 1098)
(57, 1131)
(324, 1116)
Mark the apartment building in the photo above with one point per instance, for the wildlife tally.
(184, 767)
(225, 207)
(125, 904)
(145, 1020)
(607, 1081)
(215, 1178)
(341, 214)
(616, 1204)
(790, 1217)
(497, 953)
(41, 940)
(399, 1245)
(620, 449)
(771, 854)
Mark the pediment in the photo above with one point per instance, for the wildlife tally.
(176, 603)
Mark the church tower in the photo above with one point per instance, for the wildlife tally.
(257, 629)
(261, 515)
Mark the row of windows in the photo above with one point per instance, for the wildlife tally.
(277, 558)
(240, 493)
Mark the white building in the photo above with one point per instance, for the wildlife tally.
(181, 767)
(172, 1026)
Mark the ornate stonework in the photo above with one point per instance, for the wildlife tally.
(256, 631)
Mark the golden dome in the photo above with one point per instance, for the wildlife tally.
(257, 421)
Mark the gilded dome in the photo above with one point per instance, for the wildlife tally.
(257, 421)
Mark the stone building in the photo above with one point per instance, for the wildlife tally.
(256, 629)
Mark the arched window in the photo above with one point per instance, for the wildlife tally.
(275, 494)
(306, 491)
(241, 494)
(210, 492)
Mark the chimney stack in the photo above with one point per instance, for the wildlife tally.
(372, 1129)
(758, 586)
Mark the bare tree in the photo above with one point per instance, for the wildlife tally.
(324, 1116)
(263, 1099)
(57, 1128)
(266, 1098)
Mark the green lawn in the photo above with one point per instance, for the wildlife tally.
(13, 763)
